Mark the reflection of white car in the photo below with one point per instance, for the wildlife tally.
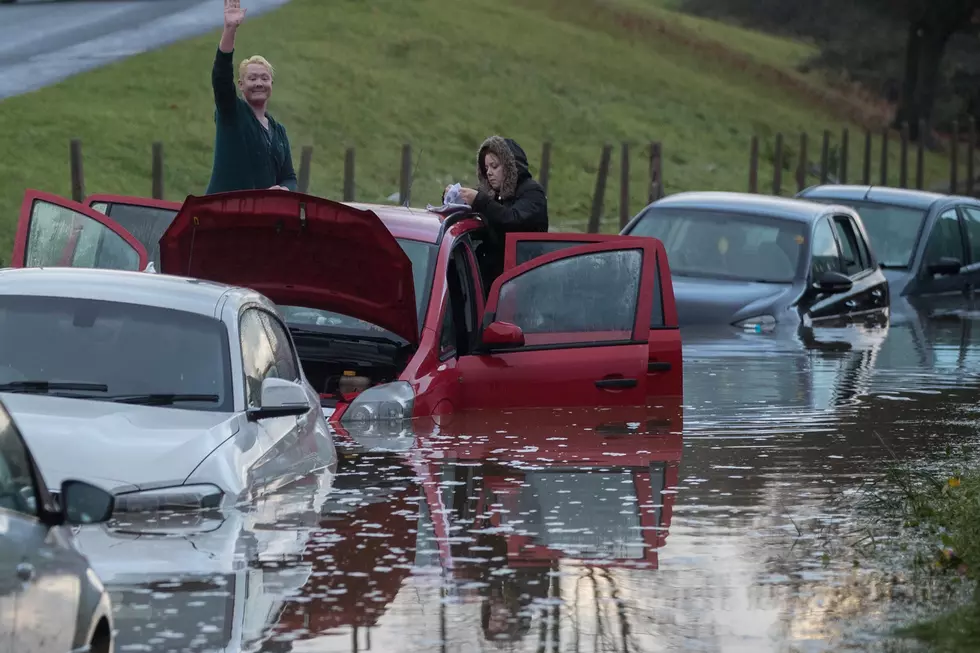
(221, 577)
(170, 392)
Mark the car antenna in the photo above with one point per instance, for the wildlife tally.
(868, 192)
(411, 182)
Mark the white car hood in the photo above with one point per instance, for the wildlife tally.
(119, 447)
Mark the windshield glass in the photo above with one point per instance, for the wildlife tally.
(129, 348)
(892, 230)
(422, 256)
(723, 245)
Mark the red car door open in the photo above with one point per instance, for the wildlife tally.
(56, 232)
(664, 364)
(147, 219)
(584, 314)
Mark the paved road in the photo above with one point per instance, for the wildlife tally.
(44, 41)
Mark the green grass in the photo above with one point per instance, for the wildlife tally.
(944, 511)
(443, 74)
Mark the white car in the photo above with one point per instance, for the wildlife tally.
(169, 392)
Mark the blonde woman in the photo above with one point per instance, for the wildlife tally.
(251, 149)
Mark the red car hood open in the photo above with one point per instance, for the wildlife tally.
(298, 250)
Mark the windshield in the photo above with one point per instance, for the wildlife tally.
(892, 230)
(422, 256)
(724, 245)
(127, 349)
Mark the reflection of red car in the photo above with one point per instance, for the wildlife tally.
(574, 320)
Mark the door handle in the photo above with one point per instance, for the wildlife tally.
(615, 384)
(658, 366)
(25, 572)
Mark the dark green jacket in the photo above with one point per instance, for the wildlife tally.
(246, 156)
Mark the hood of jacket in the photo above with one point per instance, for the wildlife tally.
(513, 160)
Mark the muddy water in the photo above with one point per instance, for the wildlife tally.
(725, 524)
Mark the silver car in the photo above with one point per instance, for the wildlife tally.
(50, 599)
(172, 393)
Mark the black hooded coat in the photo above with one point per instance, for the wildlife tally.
(520, 205)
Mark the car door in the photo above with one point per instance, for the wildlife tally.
(946, 239)
(54, 231)
(970, 217)
(868, 297)
(585, 314)
(664, 364)
(825, 256)
(146, 219)
(40, 564)
(272, 460)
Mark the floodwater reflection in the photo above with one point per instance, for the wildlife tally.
(721, 522)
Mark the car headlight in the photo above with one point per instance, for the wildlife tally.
(391, 401)
(180, 497)
(759, 323)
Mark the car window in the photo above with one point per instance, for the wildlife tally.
(130, 348)
(971, 220)
(586, 298)
(17, 490)
(422, 256)
(826, 255)
(447, 334)
(945, 239)
(531, 249)
(286, 367)
(726, 245)
(893, 231)
(146, 223)
(58, 236)
(852, 256)
(258, 356)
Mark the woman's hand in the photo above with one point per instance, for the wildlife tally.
(468, 195)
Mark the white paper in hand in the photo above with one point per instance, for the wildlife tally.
(453, 199)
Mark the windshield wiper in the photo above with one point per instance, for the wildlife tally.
(163, 399)
(43, 387)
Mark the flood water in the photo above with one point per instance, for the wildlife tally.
(725, 524)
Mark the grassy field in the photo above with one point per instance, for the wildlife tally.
(443, 74)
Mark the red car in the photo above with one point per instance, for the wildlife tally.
(388, 307)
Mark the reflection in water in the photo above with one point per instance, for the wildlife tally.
(725, 524)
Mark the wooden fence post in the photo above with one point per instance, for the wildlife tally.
(156, 171)
(349, 175)
(754, 165)
(884, 156)
(971, 135)
(903, 158)
(954, 162)
(624, 185)
(844, 156)
(405, 183)
(777, 163)
(305, 161)
(656, 190)
(801, 167)
(77, 172)
(600, 189)
(867, 158)
(545, 173)
(920, 156)
(825, 157)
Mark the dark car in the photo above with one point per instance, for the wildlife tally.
(928, 243)
(755, 261)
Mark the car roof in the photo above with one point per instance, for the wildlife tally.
(406, 222)
(785, 208)
(144, 288)
(907, 197)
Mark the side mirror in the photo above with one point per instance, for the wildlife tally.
(831, 283)
(84, 503)
(946, 265)
(280, 398)
(501, 335)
